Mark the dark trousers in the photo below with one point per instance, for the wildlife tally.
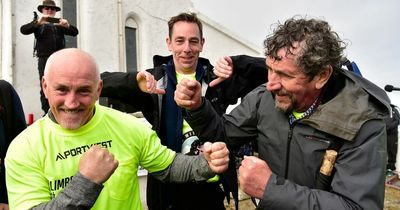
(184, 196)
(43, 100)
(392, 138)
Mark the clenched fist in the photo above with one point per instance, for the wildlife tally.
(97, 164)
(217, 156)
(188, 94)
(254, 174)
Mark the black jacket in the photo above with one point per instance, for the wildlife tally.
(392, 131)
(49, 37)
(249, 72)
(12, 122)
(393, 122)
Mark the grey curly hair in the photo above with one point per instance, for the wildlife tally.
(320, 46)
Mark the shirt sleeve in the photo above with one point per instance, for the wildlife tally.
(81, 193)
(153, 155)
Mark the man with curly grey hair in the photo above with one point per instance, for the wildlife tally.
(319, 129)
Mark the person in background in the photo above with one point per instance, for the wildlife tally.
(319, 129)
(49, 37)
(152, 92)
(82, 155)
(12, 122)
(392, 125)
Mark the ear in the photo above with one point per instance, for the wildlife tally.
(168, 41)
(99, 88)
(323, 77)
(44, 86)
(202, 44)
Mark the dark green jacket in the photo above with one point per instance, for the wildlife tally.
(352, 111)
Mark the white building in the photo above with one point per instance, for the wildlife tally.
(104, 28)
(116, 32)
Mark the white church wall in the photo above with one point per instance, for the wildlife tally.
(101, 25)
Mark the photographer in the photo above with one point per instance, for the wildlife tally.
(49, 35)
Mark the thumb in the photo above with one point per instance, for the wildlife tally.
(207, 147)
(216, 81)
(159, 91)
(228, 60)
(140, 76)
(207, 151)
(252, 159)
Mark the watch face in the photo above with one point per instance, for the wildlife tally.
(191, 146)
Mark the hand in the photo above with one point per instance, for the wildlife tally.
(254, 175)
(217, 156)
(188, 94)
(3, 206)
(97, 164)
(147, 83)
(223, 70)
(64, 23)
(42, 20)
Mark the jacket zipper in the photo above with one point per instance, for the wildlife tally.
(290, 134)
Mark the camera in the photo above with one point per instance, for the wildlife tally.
(53, 20)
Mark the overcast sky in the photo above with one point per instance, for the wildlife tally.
(371, 28)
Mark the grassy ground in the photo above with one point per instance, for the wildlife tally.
(392, 201)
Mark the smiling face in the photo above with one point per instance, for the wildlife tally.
(72, 86)
(185, 44)
(293, 90)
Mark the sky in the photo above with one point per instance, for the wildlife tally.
(370, 28)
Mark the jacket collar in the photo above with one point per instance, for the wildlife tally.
(345, 113)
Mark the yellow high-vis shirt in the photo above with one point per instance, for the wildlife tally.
(43, 159)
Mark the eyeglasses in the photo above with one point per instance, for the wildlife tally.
(49, 8)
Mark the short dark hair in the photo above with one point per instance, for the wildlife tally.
(321, 46)
(186, 17)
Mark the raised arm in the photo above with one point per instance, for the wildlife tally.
(68, 28)
(247, 73)
(95, 167)
(184, 168)
(125, 88)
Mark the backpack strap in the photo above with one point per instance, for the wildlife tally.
(351, 66)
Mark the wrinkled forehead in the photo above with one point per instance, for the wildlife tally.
(283, 54)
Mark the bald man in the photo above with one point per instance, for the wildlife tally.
(83, 155)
